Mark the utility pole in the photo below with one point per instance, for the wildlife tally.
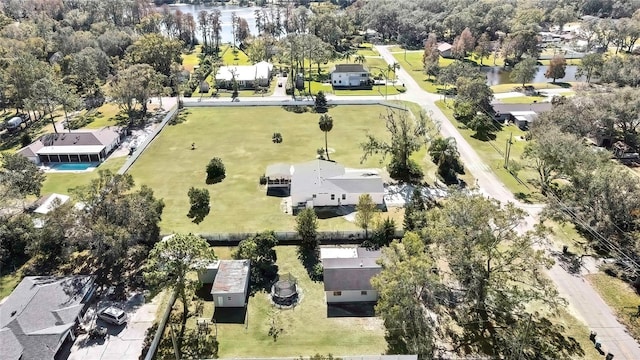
(507, 151)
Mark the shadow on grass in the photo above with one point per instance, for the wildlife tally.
(215, 180)
(230, 315)
(355, 309)
(563, 85)
(330, 212)
(525, 198)
(310, 259)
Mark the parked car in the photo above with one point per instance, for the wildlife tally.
(14, 123)
(113, 315)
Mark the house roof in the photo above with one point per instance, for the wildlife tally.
(348, 68)
(39, 312)
(320, 176)
(10, 347)
(231, 277)
(72, 142)
(444, 46)
(244, 72)
(351, 273)
(48, 203)
(509, 108)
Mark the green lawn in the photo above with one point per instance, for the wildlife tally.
(103, 116)
(229, 58)
(242, 138)
(61, 182)
(306, 329)
(8, 282)
(189, 60)
(522, 99)
(621, 298)
(511, 87)
(488, 152)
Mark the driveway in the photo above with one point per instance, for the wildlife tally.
(123, 342)
(583, 300)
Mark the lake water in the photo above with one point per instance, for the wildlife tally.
(244, 12)
(498, 75)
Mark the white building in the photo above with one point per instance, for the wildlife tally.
(350, 76)
(230, 282)
(246, 76)
(444, 49)
(348, 272)
(73, 147)
(320, 183)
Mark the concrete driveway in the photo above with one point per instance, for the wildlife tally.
(123, 342)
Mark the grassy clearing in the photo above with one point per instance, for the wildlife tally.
(522, 99)
(242, 138)
(61, 182)
(189, 60)
(229, 58)
(492, 154)
(9, 282)
(103, 116)
(621, 297)
(306, 329)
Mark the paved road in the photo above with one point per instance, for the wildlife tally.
(583, 300)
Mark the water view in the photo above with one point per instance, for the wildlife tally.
(244, 12)
(498, 75)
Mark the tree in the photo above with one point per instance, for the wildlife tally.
(157, 51)
(482, 124)
(326, 124)
(484, 47)
(215, 171)
(170, 264)
(463, 44)
(562, 15)
(414, 211)
(591, 65)
(524, 71)
(431, 55)
(444, 153)
(259, 249)
(199, 200)
(307, 229)
(407, 136)
(19, 177)
(21, 74)
(557, 67)
(88, 67)
(366, 210)
(383, 233)
(321, 104)
(476, 91)
(135, 85)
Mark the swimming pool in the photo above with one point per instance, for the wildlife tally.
(72, 166)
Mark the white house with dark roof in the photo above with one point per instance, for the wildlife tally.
(73, 147)
(350, 76)
(40, 315)
(320, 183)
(348, 272)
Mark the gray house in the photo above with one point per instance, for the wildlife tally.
(69, 147)
(348, 272)
(40, 315)
(231, 285)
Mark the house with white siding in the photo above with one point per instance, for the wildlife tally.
(350, 76)
(348, 272)
(245, 76)
(320, 183)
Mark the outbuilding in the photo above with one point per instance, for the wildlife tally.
(231, 285)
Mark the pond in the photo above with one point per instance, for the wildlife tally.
(498, 75)
(244, 12)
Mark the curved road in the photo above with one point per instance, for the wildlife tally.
(584, 301)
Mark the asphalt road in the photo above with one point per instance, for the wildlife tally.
(584, 301)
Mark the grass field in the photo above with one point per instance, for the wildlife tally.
(522, 99)
(241, 137)
(306, 329)
(492, 154)
(61, 182)
(621, 298)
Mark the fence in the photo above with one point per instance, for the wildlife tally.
(292, 238)
(285, 102)
(163, 323)
(132, 159)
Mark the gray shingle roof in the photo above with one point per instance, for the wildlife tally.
(102, 137)
(348, 68)
(537, 107)
(10, 347)
(40, 311)
(351, 273)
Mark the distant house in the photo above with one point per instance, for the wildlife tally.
(47, 203)
(70, 147)
(523, 119)
(523, 115)
(348, 272)
(444, 48)
(246, 76)
(230, 282)
(350, 76)
(320, 183)
(40, 315)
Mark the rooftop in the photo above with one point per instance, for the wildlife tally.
(72, 142)
(348, 68)
(509, 108)
(50, 202)
(231, 277)
(313, 176)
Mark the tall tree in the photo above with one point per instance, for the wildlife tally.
(200, 204)
(170, 264)
(19, 178)
(20, 76)
(408, 135)
(260, 250)
(326, 124)
(365, 213)
(157, 51)
(135, 85)
(591, 65)
(444, 153)
(307, 229)
(557, 67)
(484, 47)
(430, 55)
(524, 71)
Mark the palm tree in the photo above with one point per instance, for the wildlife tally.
(326, 124)
(360, 59)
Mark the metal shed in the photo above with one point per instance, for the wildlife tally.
(231, 284)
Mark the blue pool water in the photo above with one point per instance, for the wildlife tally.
(72, 166)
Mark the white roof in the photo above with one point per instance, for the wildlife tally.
(338, 253)
(49, 204)
(244, 72)
(71, 150)
(320, 176)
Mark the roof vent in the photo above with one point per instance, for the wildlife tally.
(13, 313)
(361, 264)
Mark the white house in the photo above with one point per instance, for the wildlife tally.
(246, 76)
(348, 272)
(320, 183)
(76, 146)
(231, 285)
(350, 76)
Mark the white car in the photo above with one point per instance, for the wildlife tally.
(113, 315)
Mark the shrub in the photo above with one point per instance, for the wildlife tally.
(317, 273)
(215, 171)
(263, 180)
(25, 139)
(276, 138)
